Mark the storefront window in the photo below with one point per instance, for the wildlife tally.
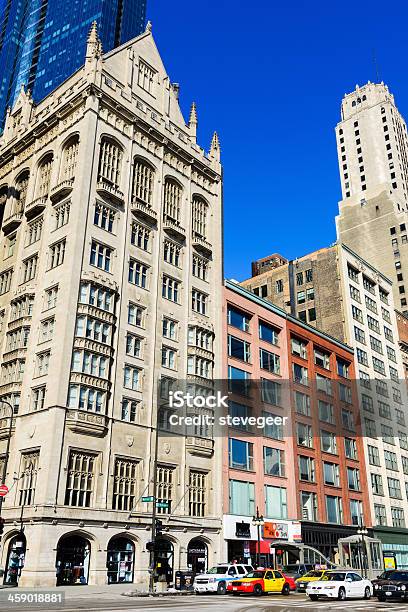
(197, 556)
(15, 560)
(120, 560)
(72, 566)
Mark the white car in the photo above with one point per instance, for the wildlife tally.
(340, 585)
(216, 578)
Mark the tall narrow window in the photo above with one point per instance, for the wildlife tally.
(199, 217)
(172, 200)
(197, 488)
(143, 176)
(124, 484)
(44, 177)
(21, 191)
(28, 478)
(145, 76)
(164, 488)
(80, 479)
(110, 162)
(69, 159)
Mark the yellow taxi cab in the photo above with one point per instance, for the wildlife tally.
(258, 582)
(311, 576)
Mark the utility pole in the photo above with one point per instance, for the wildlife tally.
(153, 538)
(6, 457)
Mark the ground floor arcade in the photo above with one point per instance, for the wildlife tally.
(46, 554)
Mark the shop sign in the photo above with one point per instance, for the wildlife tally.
(197, 551)
(389, 561)
(275, 531)
(296, 531)
(243, 530)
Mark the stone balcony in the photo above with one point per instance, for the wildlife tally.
(201, 244)
(143, 211)
(12, 222)
(18, 352)
(62, 190)
(204, 447)
(109, 191)
(88, 423)
(5, 430)
(199, 380)
(174, 229)
(35, 207)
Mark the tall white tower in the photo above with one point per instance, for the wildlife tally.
(372, 148)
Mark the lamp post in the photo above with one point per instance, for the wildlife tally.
(258, 522)
(362, 531)
(3, 475)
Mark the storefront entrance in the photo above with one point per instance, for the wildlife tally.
(15, 559)
(120, 560)
(72, 566)
(163, 561)
(197, 556)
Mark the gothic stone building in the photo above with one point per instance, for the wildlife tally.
(110, 281)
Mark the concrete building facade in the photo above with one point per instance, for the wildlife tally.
(353, 301)
(372, 148)
(110, 263)
(307, 475)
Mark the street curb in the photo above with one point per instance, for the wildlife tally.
(144, 594)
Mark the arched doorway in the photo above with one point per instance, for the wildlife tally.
(120, 560)
(197, 556)
(15, 559)
(163, 561)
(72, 565)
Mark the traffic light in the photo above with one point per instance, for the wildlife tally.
(159, 527)
(1, 525)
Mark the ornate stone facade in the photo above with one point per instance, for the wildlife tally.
(102, 270)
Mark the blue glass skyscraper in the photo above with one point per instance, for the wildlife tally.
(42, 42)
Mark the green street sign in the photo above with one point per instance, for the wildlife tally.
(150, 498)
(162, 505)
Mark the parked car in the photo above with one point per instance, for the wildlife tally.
(291, 582)
(215, 580)
(312, 576)
(340, 585)
(259, 582)
(392, 584)
(296, 570)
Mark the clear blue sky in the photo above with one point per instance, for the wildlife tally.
(269, 76)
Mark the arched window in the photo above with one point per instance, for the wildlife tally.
(3, 201)
(143, 176)
(110, 162)
(199, 221)
(172, 200)
(353, 103)
(21, 191)
(69, 159)
(44, 176)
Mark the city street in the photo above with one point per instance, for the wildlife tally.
(100, 600)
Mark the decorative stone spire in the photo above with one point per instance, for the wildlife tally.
(148, 26)
(93, 45)
(215, 147)
(192, 123)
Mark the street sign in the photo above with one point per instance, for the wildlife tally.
(150, 498)
(3, 490)
(162, 505)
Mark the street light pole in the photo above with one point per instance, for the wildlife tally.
(362, 531)
(6, 457)
(258, 521)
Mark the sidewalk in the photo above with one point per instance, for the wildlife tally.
(116, 591)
